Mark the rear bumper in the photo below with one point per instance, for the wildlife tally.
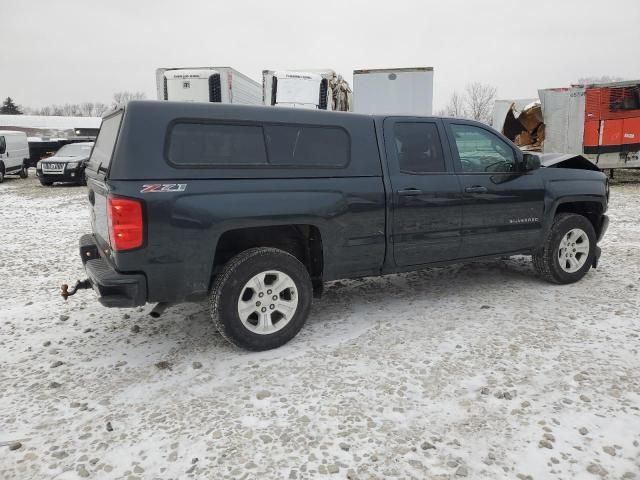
(114, 289)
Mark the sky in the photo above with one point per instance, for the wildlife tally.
(77, 50)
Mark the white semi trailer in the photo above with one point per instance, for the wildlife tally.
(393, 91)
(207, 84)
(314, 89)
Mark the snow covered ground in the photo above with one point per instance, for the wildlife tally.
(478, 371)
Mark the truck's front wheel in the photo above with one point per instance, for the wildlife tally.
(568, 251)
(261, 299)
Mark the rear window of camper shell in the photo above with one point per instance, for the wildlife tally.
(106, 142)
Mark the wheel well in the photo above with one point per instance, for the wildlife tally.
(591, 210)
(302, 241)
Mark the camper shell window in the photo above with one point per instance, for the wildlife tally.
(105, 143)
(198, 144)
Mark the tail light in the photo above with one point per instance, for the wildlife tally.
(126, 225)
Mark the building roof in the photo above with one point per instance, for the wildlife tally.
(49, 122)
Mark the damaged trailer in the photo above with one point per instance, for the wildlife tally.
(520, 121)
(600, 122)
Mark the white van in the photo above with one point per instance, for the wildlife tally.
(14, 154)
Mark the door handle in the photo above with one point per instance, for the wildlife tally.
(476, 189)
(408, 192)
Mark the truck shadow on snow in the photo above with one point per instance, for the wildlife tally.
(347, 306)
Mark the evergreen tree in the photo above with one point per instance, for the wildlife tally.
(9, 108)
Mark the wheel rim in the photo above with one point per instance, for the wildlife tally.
(268, 302)
(574, 250)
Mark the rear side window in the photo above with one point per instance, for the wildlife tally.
(106, 142)
(304, 146)
(418, 147)
(212, 144)
(202, 144)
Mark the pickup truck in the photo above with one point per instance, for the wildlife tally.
(255, 208)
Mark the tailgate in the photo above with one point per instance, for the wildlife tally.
(97, 170)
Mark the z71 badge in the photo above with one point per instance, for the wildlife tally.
(163, 187)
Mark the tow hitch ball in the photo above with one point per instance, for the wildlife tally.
(80, 285)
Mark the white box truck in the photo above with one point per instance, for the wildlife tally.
(393, 91)
(314, 89)
(207, 84)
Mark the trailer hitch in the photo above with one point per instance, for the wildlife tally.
(80, 285)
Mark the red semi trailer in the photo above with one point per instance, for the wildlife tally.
(612, 120)
(600, 121)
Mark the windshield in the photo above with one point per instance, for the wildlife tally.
(106, 142)
(74, 150)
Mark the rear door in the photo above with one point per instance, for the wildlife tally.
(503, 205)
(427, 213)
(96, 172)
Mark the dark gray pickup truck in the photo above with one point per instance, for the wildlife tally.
(256, 207)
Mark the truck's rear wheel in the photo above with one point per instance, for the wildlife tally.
(568, 251)
(24, 173)
(261, 299)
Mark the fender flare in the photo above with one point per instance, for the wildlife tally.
(548, 222)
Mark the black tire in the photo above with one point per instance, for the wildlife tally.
(83, 181)
(44, 183)
(1, 174)
(546, 261)
(230, 284)
(24, 173)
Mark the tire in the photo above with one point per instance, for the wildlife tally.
(44, 183)
(260, 326)
(83, 181)
(564, 263)
(24, 173)
(1, 174)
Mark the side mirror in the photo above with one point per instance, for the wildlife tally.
(3, 146)
(530, 162)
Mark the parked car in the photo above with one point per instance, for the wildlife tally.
(67, 165)
(14, 154)
(256, 207)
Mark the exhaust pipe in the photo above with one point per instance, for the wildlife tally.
(159, 309)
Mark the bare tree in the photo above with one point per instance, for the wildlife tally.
(71, 110)
(599, 79)
(99, 109)
(455, 107)
(86, 109)
(479, 101)
(122, 98)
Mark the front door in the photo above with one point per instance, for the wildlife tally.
(503, 205)
(427, 213)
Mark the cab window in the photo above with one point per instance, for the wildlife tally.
(418, 148)
(481, 151)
